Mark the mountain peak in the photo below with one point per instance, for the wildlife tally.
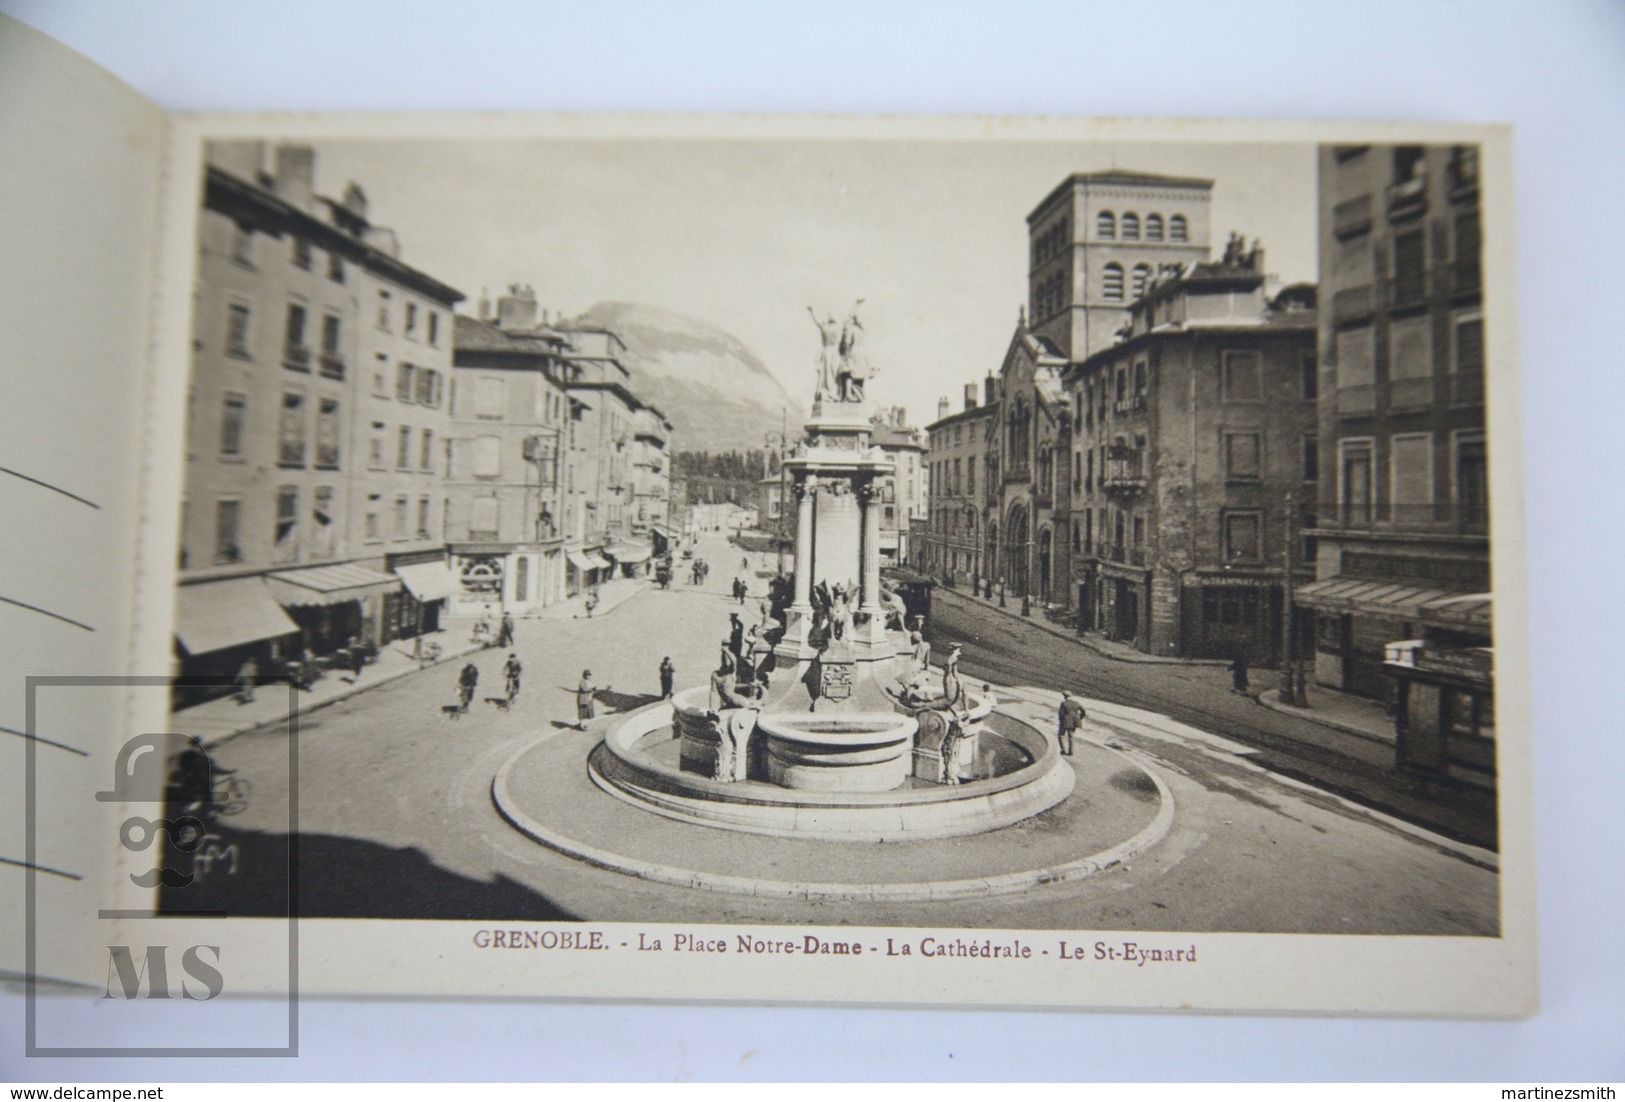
(718, 394)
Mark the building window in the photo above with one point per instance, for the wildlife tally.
(423, 518)
(332, 346)
(237, 320)
(427, 456)
(1472, 485)
(242, 246)
(1355, 490)
(335, 267)
(1241, 381)
(401, 507)
(970, 475)
(434, 327)
(1241, 456)
(1131, 227)
(233, 413)
(1410, 268)
(1142, 279)
(1311, 457)
(327, 434)
(1410, 478)
(302, 254)
(322, 532)
(1176, 229)
(228, 514)
(383, 310)
(1410, 363)
(1467, 381)
(490, 398)
(403, 449)
(411, 319)
(1311, 376)
(292, 430)
(295, 353)
(405, 381)
(287, 524)
(487, 457)
(375, 448)
(1139, 384)
(1112, 285)
(375, 503)
(1153, 227)
(1241, 537)
(1106, 226)
(428, 385)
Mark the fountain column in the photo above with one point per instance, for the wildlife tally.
(805, 488)
(869, 502)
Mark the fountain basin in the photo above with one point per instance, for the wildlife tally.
(861, 752)
(639, 761)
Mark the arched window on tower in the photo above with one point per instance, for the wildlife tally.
(1112, 285)
(1106, 226)
(1131, 227)
(1153, 227)
(1176, 228)
(1142, 279)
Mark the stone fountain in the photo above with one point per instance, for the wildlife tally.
(840, 738)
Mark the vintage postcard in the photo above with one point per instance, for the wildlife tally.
(1020, 562)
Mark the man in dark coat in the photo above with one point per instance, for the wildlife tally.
(1069, 719)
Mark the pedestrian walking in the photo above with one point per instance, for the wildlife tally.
(511, 671)
(591, 602)
(505, 633)
(1238, 672)
(248, 675)
(357, 655)
(467, 682)
(668, 676)
(1069, 719)
(586, 700)
(736, 634)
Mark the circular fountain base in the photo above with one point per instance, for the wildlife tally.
(640, 761)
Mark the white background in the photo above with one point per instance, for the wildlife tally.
(1556, 70)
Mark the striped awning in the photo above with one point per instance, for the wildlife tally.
(1399, 601)
(428, 581)
(579, 560)
(330, 585)
(211, 616)
(629, 552)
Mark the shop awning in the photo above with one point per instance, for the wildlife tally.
(1398, 601)
(329, 585)
(211, 616)
(629, 552)
(428, 581)
(598, 561)
(666, 530)
(580, 561)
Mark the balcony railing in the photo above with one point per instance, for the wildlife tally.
(1352, 217)
(1437, 516)
(1129, 404)
(1412, 393)
(296, 357)
(1407, 199)
(1356, 401)
(1353, 303)
(332, 365)
(1124, 472)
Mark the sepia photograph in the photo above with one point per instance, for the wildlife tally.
(793, 529)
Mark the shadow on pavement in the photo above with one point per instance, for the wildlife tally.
(346, 878)
(626, 702)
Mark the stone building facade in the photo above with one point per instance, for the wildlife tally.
(1402, 595)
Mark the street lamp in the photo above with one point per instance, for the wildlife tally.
(1292, 672)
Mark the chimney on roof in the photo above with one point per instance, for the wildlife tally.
(899, 417)
(294, 177)
(485, 304)
(355, 200)
(990, 390)
(942, 408)
(970, 396)
(517, 308)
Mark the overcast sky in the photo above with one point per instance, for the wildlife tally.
(748, 234)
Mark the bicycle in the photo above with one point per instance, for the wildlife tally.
(232, 797)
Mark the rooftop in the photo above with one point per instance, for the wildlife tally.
(1118, 177)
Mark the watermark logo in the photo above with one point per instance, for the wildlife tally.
(168, 802)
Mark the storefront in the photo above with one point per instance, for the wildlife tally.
(221, 625)
(1232, 613)
(334, 605)
(418, 608)
(629, 558)
(584, 569)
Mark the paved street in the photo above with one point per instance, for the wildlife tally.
(396, 818)
(1012, 651)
